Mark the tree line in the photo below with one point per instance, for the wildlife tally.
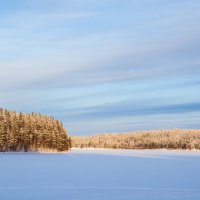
(31, 132)
(36, 132)
(161, 139)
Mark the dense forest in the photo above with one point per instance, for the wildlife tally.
(31, 132)
(36, 132)
(163, 139)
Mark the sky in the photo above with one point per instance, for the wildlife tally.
(102, 65)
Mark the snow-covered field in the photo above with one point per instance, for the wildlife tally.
(100, 175)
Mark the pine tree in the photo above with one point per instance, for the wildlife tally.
(31, 132)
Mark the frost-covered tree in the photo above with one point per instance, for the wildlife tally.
(168, 139)
(31, 132)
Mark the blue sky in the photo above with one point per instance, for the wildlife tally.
(102, 66)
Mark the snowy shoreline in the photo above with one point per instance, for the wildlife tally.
(112, 151)
(184, 150)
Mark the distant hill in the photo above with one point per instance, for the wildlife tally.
(161, 139)
(31, 132)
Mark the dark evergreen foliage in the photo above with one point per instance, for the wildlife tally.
(31, 132)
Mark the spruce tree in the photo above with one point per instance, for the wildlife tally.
(31, 132)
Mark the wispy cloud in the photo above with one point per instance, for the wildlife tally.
(96, 57)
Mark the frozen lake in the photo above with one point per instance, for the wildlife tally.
(100, 174)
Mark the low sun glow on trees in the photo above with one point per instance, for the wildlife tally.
(31, 132)
(161, 139)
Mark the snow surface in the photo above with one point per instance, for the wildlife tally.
(100, 175)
